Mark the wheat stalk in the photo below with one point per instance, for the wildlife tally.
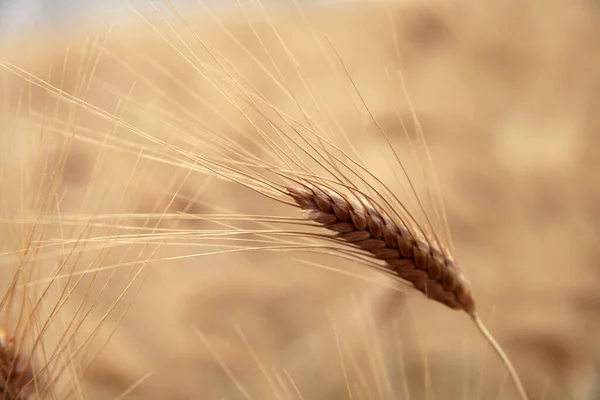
(421, 262)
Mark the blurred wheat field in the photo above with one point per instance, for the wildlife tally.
(102, 224)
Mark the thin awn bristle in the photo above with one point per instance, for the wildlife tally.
(423, 263)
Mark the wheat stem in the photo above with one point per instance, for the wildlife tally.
(500, 352)
(427, 265)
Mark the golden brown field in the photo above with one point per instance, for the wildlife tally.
(106, 226)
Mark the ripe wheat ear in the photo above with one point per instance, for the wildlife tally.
(423, 263)
(417, 260)
(15, 373)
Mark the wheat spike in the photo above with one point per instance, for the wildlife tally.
(15, 374)
(423, 263)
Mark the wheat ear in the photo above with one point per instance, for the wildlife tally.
(423, 263)
(15, 374)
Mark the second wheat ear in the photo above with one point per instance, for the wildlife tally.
(15, 375)
(423, 263)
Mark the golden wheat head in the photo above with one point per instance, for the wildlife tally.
(15, 373)
(421, 262)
